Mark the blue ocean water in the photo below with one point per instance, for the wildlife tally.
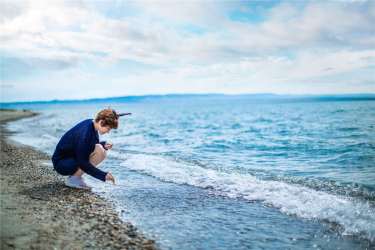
(233, 172)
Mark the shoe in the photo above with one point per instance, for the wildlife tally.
(76, 182)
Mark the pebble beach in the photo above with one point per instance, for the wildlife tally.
(39, 212)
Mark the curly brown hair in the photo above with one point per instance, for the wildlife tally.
(108, 117)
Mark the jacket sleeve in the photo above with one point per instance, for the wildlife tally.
(82, 151)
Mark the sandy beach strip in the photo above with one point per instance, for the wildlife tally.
(39, 212)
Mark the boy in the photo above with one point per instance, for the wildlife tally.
(79, 150)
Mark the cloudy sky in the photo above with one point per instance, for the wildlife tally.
(85, 49)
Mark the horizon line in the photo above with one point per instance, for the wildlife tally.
(337, 95)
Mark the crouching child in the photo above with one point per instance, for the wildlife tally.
(79, 150)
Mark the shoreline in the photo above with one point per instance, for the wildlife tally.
(42, 213)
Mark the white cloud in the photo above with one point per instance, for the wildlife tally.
(299, 43)
(75, 29)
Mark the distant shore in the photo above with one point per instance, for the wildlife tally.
(39, 212)
(248, 96)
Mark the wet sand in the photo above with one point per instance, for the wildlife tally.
(38, 212)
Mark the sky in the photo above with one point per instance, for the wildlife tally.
(91, 49)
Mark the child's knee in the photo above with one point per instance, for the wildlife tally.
(98, 155)
(100, 150)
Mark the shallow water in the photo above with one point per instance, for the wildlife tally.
(234, 173)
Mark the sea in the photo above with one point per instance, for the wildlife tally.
(231, 171)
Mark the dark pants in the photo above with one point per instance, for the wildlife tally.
(67, 166)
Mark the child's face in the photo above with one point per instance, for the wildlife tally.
(103, 129)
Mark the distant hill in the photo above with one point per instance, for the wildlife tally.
(261, 96)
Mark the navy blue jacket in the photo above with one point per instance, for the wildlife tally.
(78, 143)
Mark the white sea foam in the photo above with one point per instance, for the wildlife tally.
(355, 217)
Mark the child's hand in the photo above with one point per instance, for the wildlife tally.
(108, 145)
(109, 177)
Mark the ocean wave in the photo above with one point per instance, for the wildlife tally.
(355, 217)
(349, 189)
